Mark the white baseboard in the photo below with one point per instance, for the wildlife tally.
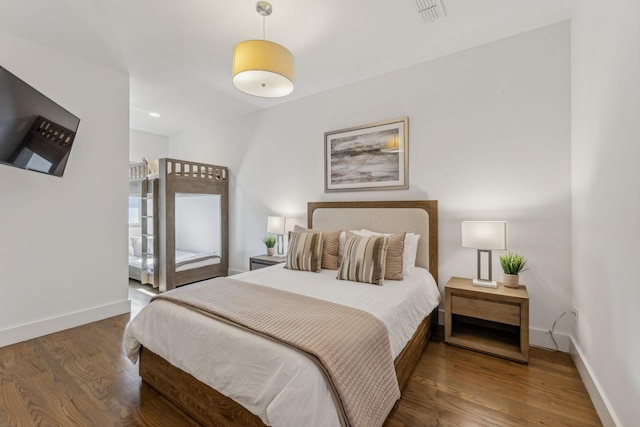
(60, 323)
(600, 401)
(542, 338)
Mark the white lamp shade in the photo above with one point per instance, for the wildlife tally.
(290, 224)
(275, 224)
(484, 234)
(263, 68)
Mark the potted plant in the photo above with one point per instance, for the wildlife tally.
(270, 242)
(512, 265)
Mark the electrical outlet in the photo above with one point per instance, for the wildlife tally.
(575, 314)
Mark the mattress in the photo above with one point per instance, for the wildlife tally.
(277, 383)
(196, 260)
(135, 261)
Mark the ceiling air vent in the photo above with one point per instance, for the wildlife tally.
(430, 10)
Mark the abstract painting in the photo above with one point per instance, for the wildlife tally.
(369, 157)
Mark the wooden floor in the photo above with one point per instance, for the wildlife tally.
(80, 377)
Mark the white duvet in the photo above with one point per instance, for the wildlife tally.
(275, 382)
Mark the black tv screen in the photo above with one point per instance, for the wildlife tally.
(35, 132)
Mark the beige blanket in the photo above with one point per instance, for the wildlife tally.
(350, 346)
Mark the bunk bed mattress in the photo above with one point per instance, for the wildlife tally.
(277, 383)
(191, 260)
(135, 261)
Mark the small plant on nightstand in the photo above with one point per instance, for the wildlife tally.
(270, 243)
(512, 265)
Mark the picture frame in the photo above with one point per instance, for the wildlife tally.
(368, 157)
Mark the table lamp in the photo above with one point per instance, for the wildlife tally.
(484, 236)
(275, 225)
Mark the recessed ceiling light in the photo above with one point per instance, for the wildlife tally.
(154, 114)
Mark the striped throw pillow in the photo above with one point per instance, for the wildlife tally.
(330, 243)
(305, 251)
(394, 264)
(364, 259)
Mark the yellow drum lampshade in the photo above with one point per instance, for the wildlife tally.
(263, 68)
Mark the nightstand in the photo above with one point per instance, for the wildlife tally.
(493, 321)
(262, 261)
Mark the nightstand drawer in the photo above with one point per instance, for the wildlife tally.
(488, 310)
(256, 265)
(262, 261)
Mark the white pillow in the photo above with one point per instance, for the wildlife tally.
(136, 245)
(409, 252)
(341, 241)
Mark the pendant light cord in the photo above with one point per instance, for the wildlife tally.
(264, 37)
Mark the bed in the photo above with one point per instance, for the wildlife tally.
(155, 252)
(284, 387)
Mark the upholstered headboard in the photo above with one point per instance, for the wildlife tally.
(417, 216)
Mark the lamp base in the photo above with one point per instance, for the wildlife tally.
(485, 283)
(280, 239)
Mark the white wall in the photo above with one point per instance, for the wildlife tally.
(606, 203)
(198, 223)
(147, 145)
(489, 137)
(62, 261)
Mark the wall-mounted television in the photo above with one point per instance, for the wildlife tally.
(35, 132)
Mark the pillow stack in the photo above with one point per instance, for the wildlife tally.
(358, 255)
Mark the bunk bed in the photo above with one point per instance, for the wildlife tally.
(154, 257)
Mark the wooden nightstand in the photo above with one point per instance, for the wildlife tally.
(493, 321)
(262, 261)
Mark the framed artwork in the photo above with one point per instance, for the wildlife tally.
(369, 157)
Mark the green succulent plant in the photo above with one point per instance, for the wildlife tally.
(269, 241)
(512, 263)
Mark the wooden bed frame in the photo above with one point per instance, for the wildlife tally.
(174, 177)
(210, 408)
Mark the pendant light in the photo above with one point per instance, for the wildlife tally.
(260, 67)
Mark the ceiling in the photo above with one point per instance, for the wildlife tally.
(178, 52)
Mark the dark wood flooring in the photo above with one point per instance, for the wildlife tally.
(80, 377)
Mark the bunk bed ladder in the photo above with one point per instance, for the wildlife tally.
(149, 223)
